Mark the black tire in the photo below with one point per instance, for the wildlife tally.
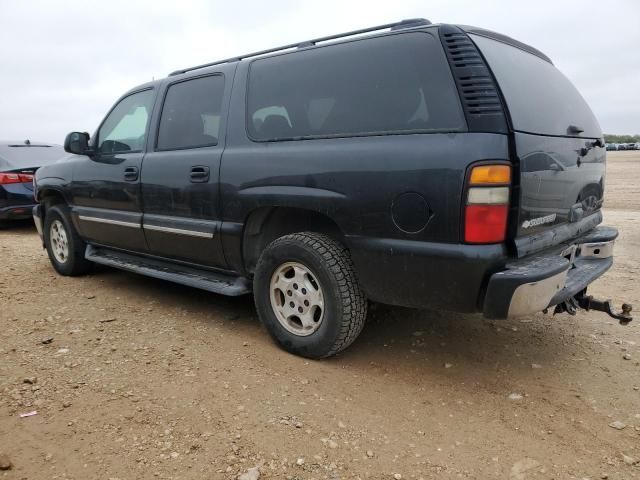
(344, 304)
(74, 263)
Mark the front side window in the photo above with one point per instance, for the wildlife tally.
(191, 114)
(124, 129)
(392, 84)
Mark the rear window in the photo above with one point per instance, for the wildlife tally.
(394, 84)
(539, 97)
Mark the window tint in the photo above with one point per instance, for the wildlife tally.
(191, 114)
(125, 127)
(397, 83)
(539, 97)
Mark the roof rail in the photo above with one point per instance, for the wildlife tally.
(408, 23)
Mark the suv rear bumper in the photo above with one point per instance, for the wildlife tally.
(430, 275)
(548, 278)
(479, 278)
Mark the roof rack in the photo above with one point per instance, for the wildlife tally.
(408, 23)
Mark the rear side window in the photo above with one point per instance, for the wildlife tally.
(393, 84)
(191, 114)
(539, 97)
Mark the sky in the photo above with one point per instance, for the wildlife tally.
(64, 63)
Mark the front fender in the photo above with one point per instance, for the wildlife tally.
(53, 178)
(51, 185)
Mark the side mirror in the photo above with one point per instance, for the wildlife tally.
(78, 143)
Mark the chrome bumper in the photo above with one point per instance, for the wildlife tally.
(549, 278)
(536, 296)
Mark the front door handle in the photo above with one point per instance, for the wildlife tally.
(131, 174)
(199, 174)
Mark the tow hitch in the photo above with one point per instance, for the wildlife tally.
(587, 302)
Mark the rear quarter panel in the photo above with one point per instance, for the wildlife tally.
(354, 181)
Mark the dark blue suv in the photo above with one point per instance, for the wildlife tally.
(410, 164)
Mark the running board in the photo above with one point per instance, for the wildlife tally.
(192, 277)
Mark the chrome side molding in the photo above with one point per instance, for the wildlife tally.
(178, 231)
(109, 221)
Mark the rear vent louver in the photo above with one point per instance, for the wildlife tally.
(463, 52)
(480, 95)
(478, 92)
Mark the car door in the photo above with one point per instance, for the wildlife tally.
(180, 188)
(105, 188)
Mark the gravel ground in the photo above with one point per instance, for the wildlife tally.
(135, 378)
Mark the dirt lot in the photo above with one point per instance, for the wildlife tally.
(145, 379)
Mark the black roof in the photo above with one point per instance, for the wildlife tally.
(408, 23)
(403, 24)
(505, 39)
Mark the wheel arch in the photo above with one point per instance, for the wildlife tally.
(265, 224)
(48, 196)
(51, 196)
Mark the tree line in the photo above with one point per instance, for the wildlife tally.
(621, 138)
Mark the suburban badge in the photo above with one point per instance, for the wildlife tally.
(534, 222)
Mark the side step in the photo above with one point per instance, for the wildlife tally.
(206, 280)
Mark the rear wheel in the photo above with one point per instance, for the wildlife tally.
(307, 295)
(64, 245)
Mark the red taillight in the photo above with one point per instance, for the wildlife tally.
(487, 204)
(485, 223)
(7, 178)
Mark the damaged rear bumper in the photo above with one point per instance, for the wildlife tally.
(550, 278)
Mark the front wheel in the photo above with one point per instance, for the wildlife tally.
(307, 295)
(64, 245)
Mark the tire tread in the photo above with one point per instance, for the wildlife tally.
(338, 260)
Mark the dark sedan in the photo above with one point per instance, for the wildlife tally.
(18, 163)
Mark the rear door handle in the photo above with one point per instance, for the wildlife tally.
(199, 174)
(131, 174)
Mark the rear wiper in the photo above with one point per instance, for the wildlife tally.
(574, 129)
